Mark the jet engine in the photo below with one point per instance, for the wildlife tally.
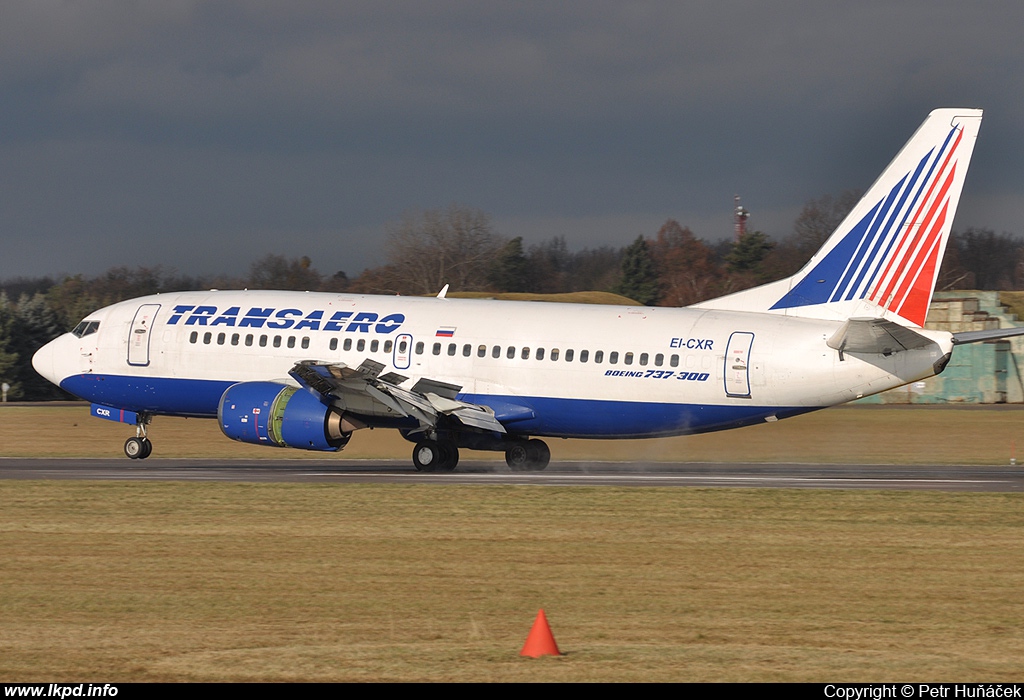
(266, 413)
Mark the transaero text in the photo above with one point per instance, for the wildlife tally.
(281, 319)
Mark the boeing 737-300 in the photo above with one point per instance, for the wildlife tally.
(306, 370)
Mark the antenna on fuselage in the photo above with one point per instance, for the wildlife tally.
(443, 293)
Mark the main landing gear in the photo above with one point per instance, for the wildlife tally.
(139, 447)
(443, 455)
(528, 456)
(435, 456)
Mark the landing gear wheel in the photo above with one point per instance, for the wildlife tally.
(426, 456)
(517, 457)
(540, 455)
(449, 456)
(529, 456)
(433, 456)
(137, 448)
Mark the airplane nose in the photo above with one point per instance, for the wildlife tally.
(43, 361)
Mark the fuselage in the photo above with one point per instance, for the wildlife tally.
(545, 369)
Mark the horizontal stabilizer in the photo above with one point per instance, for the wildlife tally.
(877, 336)
(982, 336)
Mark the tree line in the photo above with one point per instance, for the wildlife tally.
(459, 246)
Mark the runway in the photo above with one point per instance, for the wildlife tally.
(805, 476)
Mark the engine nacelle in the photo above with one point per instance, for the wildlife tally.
(265, 413)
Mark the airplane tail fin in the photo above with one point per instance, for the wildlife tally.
(883, 259)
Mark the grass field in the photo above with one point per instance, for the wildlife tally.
(136, 581)
(858, 434)
(208, 582)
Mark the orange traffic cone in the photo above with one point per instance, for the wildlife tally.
(540, 641)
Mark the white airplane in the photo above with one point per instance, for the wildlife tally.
(306, 370)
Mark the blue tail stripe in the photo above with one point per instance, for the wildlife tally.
(817, 286)
(877, 259)
(868, 238)
(921, 188)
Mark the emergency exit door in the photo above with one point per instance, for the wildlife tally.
(737, 365)
(139, 334)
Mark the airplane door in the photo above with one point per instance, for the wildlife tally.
(403, 351)
(737, 365)
(139, 333)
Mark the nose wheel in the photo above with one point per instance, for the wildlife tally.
(138, 447)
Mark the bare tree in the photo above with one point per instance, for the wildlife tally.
(429, 249)
(820, 217)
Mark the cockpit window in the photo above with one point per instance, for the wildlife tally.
(86, 328)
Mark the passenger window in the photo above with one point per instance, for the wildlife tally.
(193, 337)
(451, 349)
(248, 340)
(481, 351)
(221, 337)
(659, 360)
(334, 344)
(277, 341)
(374, 344)
(402, 346)
(540, 354)
(525, 354)
(613, 358)
(347, 345)
(674, 361)
(627, 359)
(360, 345)
(584, 355)
(419, 348)
(510, 353)
(437, 348)
(388, 344)
(643, 359)
(599, 356)
(467, 350)
(263, 341)
(207, 337)
(554, 354)
(305, 342)
(234, 338)
(568, 355)
(291, 341)
(496, 351)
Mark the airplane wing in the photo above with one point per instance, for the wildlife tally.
(364, 391)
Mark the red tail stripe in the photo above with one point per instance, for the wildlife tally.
(901, 249)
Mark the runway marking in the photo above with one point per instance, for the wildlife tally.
(638, 477)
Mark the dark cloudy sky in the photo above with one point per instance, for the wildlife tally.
(203, 135)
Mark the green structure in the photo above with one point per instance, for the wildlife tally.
(979, 372)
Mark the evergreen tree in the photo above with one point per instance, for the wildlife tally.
(34, 325)
(639, 274)
(748, 253)
(510, 270)
(8, 359)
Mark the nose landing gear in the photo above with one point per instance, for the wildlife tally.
(139, 447)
